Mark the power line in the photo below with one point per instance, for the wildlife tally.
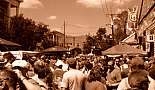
(111, 16)
(106, 5)
(102, 6)
(81, 26)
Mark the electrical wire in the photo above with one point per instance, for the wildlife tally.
(80, 26)
(106, 6)
(102, 6)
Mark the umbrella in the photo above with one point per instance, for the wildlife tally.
(9, 43)
(55, 49)
(122, 49)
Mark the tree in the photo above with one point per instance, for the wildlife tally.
(101, 33)
(90, 41)
(26, 32)
(120, 23)
(99, 41)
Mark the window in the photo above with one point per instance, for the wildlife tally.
(151, 37)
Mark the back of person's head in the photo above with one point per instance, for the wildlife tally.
(152, 73)
(138, 80)
(9, 56)
(95, 74)
(41, 68)
(72, 63)
(151, 63)
(137, 63)
(88, 65)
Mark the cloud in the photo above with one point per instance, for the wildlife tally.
(89, 3)
(52, 17)
(31, 4)
(98, 3)
(56, 29)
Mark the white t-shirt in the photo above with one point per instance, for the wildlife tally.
(73, 79)
(123, 85)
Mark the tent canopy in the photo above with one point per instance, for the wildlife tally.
(122, 49)
(55, 49)
(9, 43)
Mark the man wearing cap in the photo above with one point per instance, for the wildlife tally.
(135, 64)
(72, 79)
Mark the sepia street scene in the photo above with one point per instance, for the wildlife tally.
(77, 44)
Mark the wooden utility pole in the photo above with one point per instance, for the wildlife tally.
(64, 33)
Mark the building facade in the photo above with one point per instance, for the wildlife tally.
(57, 38)
(146, 31)
(5, 7)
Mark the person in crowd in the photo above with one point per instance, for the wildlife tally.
(31, 60)
(58, 74)
(72, 79)
(151, 63)
(152, 79)
(43, 75)
(9, 58)
(113, 76)
(21, 67)
(52, 63)
(8, 79)
(138, 80)
(87, 68)
(62, 62)
(151, 70)
(64, 65)
(93, 82)
(124, 68)
(135, 64)
(81, 65)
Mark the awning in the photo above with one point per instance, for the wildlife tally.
(9, 43)
(55, 49)
(122, 49)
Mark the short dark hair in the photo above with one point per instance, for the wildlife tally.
(9, 56)
(152, 73)
(138, 79)
(95, 74)
(41, 68)
(72, 62)
(136, 63)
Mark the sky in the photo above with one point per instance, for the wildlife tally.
(81, 17)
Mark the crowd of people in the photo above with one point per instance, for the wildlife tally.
(78, 73)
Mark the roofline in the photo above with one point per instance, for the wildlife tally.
(128, 37)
